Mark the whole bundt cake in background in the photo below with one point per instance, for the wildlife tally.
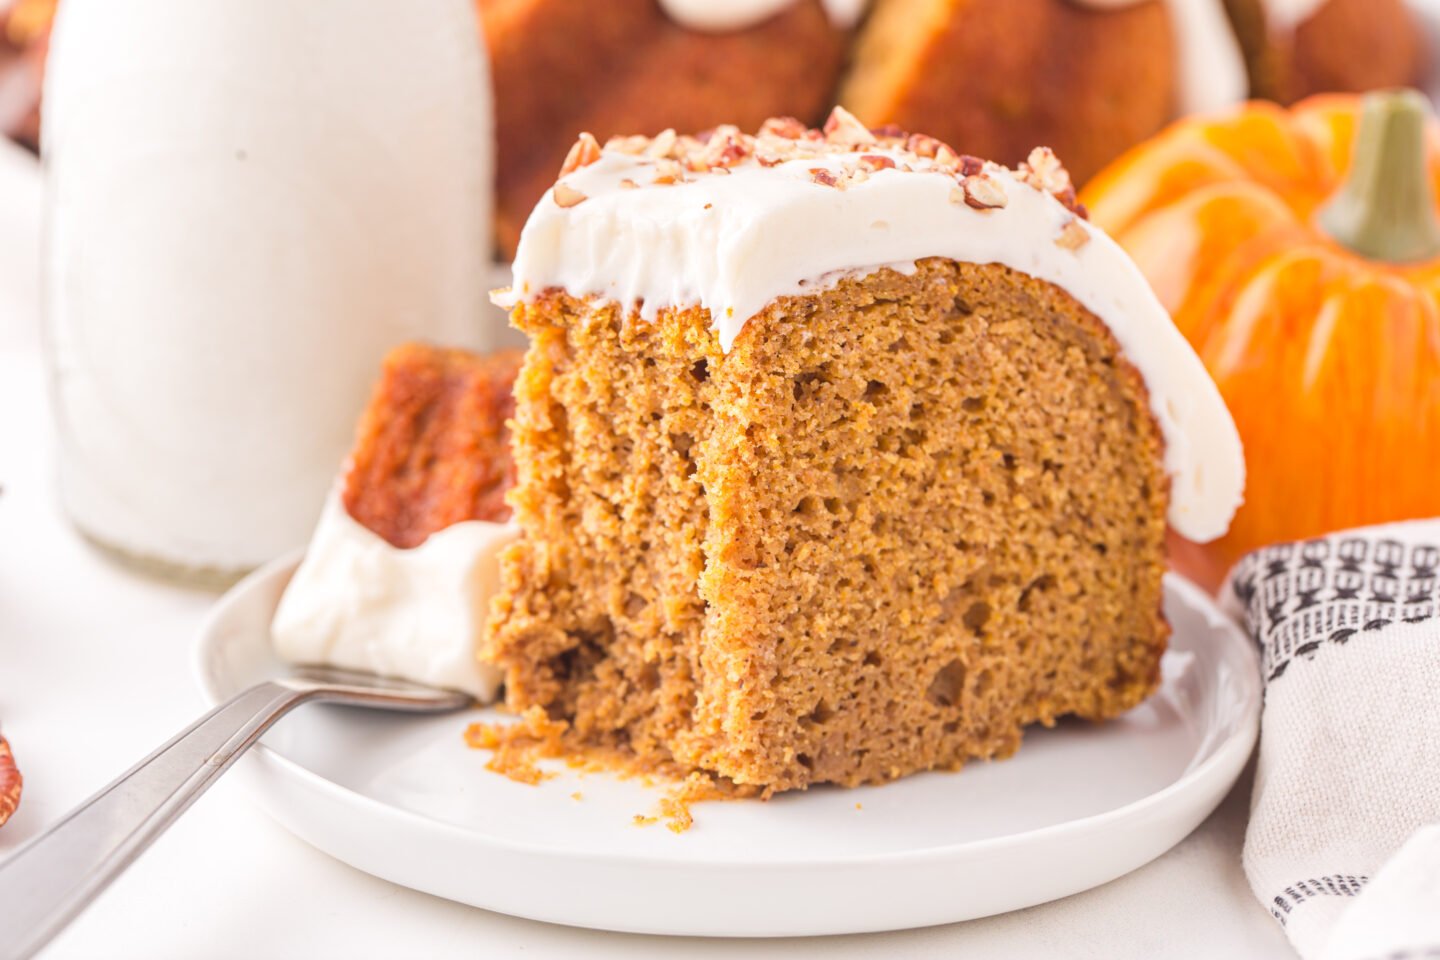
(1090, 78)
(1294, 48)
(613, 67)
(995, 79)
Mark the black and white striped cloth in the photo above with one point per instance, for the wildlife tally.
(1343, 846)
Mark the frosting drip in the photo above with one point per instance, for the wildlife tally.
(1210, 72)
(1210, 69)
(1283, 16)
(722, 15)
(636, 228)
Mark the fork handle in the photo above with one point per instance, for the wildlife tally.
(47, 882)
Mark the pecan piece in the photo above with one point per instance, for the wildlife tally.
(984, 193)
(843, 127)
(568, 196)
(1044, 171)
(923, 146)
(10, 782)
(632, 145)
(1072, 236)
(585, 152)
(663, 146)
(787, 128)
(946, 159)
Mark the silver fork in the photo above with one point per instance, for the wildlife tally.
(46, 883)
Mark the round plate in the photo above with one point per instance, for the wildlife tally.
(403, 798)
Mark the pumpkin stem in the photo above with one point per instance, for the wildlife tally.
(1385, 209)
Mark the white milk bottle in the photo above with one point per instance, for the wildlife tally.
(248, 203)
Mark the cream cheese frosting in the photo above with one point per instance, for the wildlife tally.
(634, 224)
(1210, 69)
(1282, 16)
(723, 15)
(417, 613)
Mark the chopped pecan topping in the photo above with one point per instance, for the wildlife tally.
(568, 196)
(853, 151)
(1072, 236)
(787, 128)
(668, 172)
(1044, 171)
(585, 152)
(923, 146)
(10, 782)
(631, 146)
(984, 193)
(725, 148)
(843, 127)
(663, 145)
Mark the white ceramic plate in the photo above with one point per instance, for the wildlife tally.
(403, 798)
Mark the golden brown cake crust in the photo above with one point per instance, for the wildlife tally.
(623, 67)
(995, 79)
(433, 446)
(897, 523)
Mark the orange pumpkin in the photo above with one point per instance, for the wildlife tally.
(1299, 252)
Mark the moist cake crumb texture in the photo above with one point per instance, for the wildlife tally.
(899, 521)
(432, 448)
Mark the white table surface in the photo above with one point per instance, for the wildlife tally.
(95, 672)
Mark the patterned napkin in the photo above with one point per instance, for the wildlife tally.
(1343, 846)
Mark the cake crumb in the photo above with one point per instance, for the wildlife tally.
(676, 812)
(518, 746)
(640, 820)
(577, 796)
(859, 806)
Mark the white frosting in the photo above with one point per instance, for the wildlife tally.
(359, 603)
(1282, 16)
(1211, 70)
(734, 243)
(722, 15)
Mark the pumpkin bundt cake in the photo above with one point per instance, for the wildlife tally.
(626, 65)
(398, 576)
(1294, 48)
(1087, 77)
(840, 457)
